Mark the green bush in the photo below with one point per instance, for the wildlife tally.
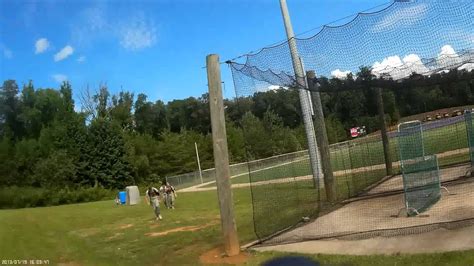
(24, 197)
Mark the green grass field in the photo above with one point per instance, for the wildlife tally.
(101, 233)
(365, 152)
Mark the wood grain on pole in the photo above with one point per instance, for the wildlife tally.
(322, 138)
(383, 131)
(221, 156)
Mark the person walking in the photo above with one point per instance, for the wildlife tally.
(163, 193)
(170, 195)
(153, 196)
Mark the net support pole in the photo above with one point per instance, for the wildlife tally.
(198, 161)
(221, 156)
(304, 100)
(322, 137)
(383, 131)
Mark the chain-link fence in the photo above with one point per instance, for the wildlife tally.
(239, 172)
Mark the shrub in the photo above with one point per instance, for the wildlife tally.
(24, 197)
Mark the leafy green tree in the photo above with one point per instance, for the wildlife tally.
(106, 156)
(121, 110)
(56, 171)
(66, 95)
(26, 156)
(150, 118)
(101, 100)
(8, 170)
(235, 142)
(335, 129)
(258, 142)
(30, 116)
(189, 114)
(10, 124)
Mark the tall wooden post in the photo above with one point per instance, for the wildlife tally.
(221, 156)
(322, 138)
(383, 131)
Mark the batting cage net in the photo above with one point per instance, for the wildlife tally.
(396, 87)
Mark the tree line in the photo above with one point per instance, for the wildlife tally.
(122, 139)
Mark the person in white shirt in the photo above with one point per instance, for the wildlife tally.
(163, 194)
(170, 195)
(153, 196)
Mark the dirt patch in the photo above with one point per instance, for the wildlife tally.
(86, 232)
(125, 226)
(217, 256)
(114, 236)
(191, 228)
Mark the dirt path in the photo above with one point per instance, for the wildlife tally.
(308, 177)
(190, 228)
(440, 240)
(201, 187)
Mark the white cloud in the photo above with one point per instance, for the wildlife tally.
(340, 74)
(59, 77)
(397, 68)
(447, 50)
(264, 88)
(138, 33)
(275, 87)
(81, 59)
(7, 53)
(468, 67)
(95, 18)
(92, 23)
(41, 45)
(64, 53)
(413, 63)
(448, 58)
(134, 32)
(404, 16)
(387, 65)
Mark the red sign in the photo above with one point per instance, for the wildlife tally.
(354, 132)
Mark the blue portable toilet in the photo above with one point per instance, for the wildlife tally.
(122, 197)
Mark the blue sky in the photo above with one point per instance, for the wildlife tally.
(154, 47)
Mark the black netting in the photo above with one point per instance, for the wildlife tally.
(421, 54)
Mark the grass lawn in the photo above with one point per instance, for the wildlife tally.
(100, 233)
(365, 152)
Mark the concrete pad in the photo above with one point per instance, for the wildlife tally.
(441, 240)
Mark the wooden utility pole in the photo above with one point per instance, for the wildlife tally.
(383, 131)
(322, 137)
(221, 156)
